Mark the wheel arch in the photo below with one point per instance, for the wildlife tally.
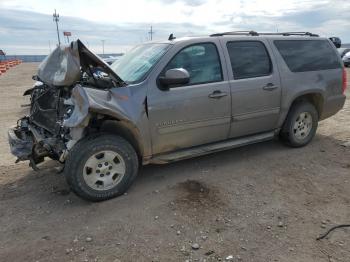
(315, 98)
(124, 129)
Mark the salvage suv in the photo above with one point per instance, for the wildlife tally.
(176, 99)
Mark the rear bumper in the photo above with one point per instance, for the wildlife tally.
(332, 106)
(21, 147)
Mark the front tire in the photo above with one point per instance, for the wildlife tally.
(300, 125)
(101, 167)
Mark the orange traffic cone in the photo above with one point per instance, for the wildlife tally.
(3, 68)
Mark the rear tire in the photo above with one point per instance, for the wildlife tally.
(101, 167)
(300, 125)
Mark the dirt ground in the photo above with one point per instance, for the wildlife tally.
(264, 202)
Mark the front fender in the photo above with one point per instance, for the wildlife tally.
(122, 104)
(105, 102)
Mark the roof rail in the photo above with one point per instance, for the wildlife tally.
(254, 33)
(292, 33)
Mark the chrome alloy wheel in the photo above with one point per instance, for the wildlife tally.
(302, 126)
(104, 170)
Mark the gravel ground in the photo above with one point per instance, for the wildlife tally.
(263, 202)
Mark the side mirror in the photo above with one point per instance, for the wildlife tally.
(176, 76)
(336, 41)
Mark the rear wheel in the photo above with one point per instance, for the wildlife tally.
(301, 125)
(101, 167)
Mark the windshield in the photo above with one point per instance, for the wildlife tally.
(134, 66)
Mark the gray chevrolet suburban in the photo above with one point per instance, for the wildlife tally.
(172, 100)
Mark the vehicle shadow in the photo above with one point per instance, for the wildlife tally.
(203, 164)
(48, 185)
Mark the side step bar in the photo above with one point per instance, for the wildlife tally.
(210, 148)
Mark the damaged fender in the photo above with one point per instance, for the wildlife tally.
(118, 103)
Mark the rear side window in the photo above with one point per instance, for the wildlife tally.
(249, 59)
(307, 55)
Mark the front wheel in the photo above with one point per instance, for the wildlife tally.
(101, 167)
(300, 125)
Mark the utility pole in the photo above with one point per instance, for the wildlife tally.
(56, 18)
(103, 46)
(151, 32)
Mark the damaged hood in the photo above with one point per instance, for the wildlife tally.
(64, 65)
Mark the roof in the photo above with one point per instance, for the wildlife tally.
(246, 34)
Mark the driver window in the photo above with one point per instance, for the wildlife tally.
(201, 61)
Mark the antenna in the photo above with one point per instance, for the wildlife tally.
(171, 37)
(56, 18)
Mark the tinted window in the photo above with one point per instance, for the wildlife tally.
(249, 59)
(307, 55)
(201, 61)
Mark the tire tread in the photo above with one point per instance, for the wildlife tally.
(74, 164)
(285, 133)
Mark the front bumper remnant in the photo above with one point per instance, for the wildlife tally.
(20, 144)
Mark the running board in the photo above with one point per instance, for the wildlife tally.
(210, 148)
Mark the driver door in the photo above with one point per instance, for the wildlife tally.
(195, 113)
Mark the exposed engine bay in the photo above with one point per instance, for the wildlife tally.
(42, 130)
(57, 118)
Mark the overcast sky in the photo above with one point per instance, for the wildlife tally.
(26, 26)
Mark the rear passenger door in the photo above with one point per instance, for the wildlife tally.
(255, 86)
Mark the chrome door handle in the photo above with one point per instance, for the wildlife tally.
(269, 87)
(217, 94)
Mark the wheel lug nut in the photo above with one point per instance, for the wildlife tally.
(110, 167)
(99, 165)
(102, 175)
(106, 163)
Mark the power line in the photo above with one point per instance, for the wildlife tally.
(56, 18)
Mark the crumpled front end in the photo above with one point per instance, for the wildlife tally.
(60, 117)
(28, 143)
(41, 134)
(60, 107)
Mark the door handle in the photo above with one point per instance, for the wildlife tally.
(269, 87)
(217, 94)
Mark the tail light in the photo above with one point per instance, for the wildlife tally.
(345, 82)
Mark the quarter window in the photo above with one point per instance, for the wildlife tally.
(249, 59)
(307, 55)
(201, 61)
